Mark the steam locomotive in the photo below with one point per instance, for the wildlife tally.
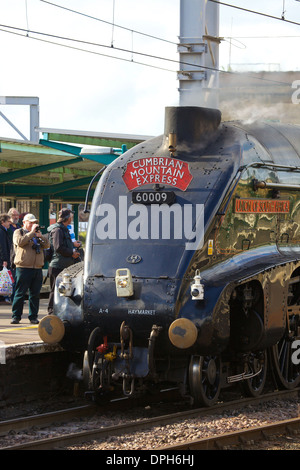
(192, 265)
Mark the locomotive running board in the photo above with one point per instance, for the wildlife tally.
(243, 376)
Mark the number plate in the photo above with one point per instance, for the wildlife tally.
(153, 197)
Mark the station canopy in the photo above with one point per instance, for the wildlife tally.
(60, 166)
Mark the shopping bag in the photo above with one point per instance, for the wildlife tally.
(11, 276)
(6, 287)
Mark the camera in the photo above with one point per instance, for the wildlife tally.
(39, 227)
(36, 246)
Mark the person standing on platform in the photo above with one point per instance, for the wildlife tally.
(14, 221)
(14, 225)
(64, 253)
(29, 244)
(5, 248)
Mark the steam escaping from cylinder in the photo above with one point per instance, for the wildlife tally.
(74, 373)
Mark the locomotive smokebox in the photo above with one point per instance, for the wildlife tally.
(191, 124)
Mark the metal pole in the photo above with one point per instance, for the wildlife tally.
(34, 122)
(198, 53)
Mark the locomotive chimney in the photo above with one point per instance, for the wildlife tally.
(190, 124)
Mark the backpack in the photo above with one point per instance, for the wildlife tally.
(48, 252)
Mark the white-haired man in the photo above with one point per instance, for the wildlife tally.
(29, 244)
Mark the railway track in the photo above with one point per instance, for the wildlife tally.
(241, 437)
(75, 438)
(44, 419)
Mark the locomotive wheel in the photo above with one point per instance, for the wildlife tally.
(94, 341)
(89, 357)
(205, 379)
(254, 387)
(286, 373)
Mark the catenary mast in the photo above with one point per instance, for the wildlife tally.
(199, 53)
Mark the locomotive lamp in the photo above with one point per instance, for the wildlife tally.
(65, 287)
(124, 284)
(197, 289)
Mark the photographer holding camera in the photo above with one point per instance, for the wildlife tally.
(29, 244)
(65, 251)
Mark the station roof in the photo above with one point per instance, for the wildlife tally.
(60, 166)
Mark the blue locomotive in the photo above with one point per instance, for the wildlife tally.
(192, 264)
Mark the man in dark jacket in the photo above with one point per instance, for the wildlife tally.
(5, 242)
(5, 247)
(14, 225)
(64, 250)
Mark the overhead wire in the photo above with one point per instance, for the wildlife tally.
(172, 42)
(123, 49)
(151, 36)
(263, 37)
(26, 11)
(108, 22)
(152, 56)
(89, 43)
(113, 25)
(86, 50)
(255, 12)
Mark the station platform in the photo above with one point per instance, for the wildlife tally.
(30, 368)
(24, 332)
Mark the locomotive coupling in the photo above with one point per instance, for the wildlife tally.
(197, 289)
(124, 285)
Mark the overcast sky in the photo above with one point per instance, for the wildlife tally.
(87, 91)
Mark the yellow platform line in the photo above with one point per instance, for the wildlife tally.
(3, 330)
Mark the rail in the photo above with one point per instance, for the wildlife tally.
(65, 440)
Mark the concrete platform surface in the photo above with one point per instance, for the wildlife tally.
(24, 332)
